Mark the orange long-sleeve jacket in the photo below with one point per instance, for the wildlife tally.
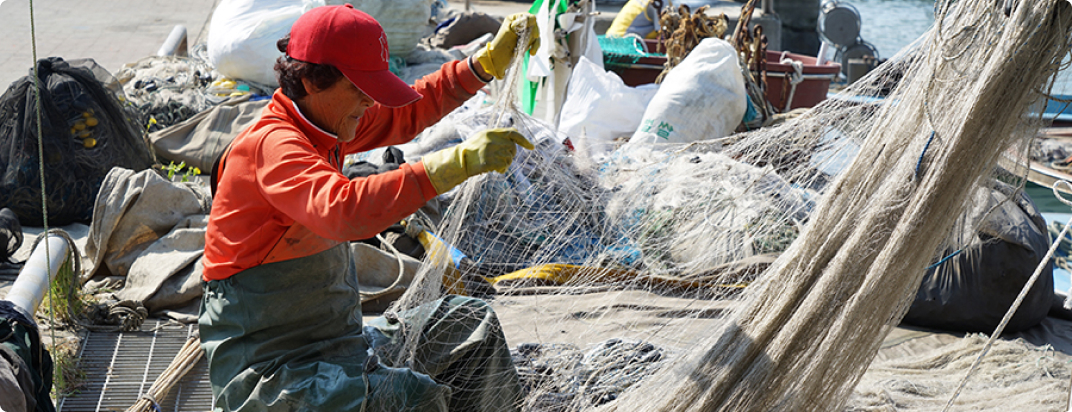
(282, 194)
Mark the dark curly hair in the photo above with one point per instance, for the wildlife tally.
(289, 73)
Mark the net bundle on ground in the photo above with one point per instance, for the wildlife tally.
(622, 282)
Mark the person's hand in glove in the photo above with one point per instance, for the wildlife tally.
(491, 149)
(495, 58)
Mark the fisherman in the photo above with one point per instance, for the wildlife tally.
(280, 319)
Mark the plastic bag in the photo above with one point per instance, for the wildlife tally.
(600, 108)
(243, 33)
(464, 28)
(971, 290)
(702, 98)
(85, 132)
(405, 22)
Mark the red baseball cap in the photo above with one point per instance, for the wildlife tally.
(353, 42)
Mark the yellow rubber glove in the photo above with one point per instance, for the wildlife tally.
(499, 52)
(492, 149)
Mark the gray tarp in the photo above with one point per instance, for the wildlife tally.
(200, 139)
(151, 232)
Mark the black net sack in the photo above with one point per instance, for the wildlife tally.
(86, 131)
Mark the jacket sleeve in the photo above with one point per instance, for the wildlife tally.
(304, 186)
(442, 91)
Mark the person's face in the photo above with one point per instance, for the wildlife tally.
(337, 108)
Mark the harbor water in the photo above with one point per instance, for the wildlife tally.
(891, 25)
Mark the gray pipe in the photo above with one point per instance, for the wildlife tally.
(175, 45)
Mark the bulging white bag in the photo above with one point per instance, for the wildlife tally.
(600, 107)
(702, 98)
(243, 33)
(404, 21)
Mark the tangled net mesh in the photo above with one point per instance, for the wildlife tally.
(622, 282)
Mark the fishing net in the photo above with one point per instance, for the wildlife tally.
(86, 129)
(759, 271)
(623, 50)
(168, 90)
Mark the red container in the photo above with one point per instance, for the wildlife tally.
(645, 70)
(809, 92)
(654, 46)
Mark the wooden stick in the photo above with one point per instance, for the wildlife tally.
(182, 364)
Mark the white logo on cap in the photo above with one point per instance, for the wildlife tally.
(383, 47)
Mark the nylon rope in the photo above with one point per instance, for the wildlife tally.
(369, 296)
(41, 172)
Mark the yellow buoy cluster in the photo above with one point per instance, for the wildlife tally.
(82, 129)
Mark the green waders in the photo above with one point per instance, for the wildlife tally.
(288, 336)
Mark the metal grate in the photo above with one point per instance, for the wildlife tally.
(120, 367)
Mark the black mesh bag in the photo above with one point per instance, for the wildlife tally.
(85, 131)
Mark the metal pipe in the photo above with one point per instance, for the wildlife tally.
(175, 45)
(33, 281)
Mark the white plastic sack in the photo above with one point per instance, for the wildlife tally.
(600, 107)
(243, 33)
(702, 98)
(404, 21)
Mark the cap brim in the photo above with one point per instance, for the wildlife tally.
(383, 87)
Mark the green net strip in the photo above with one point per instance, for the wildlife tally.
(623, 50)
